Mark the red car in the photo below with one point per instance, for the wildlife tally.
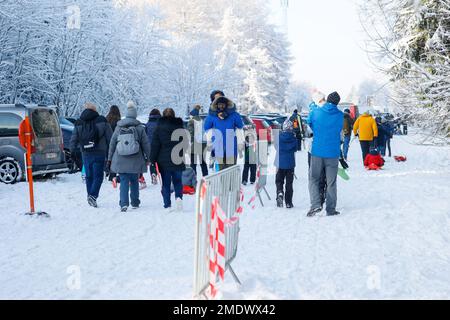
(263, 130)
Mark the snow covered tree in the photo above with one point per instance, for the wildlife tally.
(410, 41)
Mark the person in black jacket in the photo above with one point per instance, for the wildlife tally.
(169, 146)
(92, 134)
(113, 117)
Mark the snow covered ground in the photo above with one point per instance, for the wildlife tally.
(391, 241)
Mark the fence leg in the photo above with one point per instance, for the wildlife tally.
(234, 275)
(260, 199)
(268, 196)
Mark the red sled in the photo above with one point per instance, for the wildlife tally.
(373, 167)
(188, 190)
(400, 158)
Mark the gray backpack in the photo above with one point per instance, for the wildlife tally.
(127, 142)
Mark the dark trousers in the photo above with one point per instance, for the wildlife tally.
(94, 166)
(199, 159)
(129, 187)
(322, 182)
(168, 177)
(388, 143)
(249, 168)
(284, 180)
(365, 148)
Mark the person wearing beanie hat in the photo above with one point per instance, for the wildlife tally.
(131, 112)
(198, 141)
(326, 124)
(286, 147)
(129, 154)
(334, 98)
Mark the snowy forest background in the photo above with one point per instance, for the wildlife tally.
(164, 53)
(159, 53)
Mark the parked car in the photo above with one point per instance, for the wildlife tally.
(48, 147)
(263, 129)
(270, 117)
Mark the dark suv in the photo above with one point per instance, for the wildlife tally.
(48, 148)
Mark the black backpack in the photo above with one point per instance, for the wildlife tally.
(88, 135)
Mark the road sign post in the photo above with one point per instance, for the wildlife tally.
(26, 140)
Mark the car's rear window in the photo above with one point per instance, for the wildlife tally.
(9, 124)
(45, 123)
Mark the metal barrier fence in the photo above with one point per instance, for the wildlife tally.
(226, 186)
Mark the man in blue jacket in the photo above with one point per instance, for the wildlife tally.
(326, 124)
(224, 120)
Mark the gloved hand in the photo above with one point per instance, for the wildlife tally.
(344, 163)
(108, 167)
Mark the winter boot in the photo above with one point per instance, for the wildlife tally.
(334, 213)
(313, 212)
(280, 199)
(92, 201)
(289, 206)
(123, 209)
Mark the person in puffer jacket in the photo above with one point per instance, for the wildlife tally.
(326, 123)
(286, 145)
(374, 160)
(366, 129)
(224, 121)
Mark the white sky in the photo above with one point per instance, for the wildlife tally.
(327, 41)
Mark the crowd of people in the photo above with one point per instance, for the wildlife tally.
(126, 149)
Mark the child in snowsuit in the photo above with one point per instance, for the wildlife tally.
(286, 145)
(374, 161)
(189, 180)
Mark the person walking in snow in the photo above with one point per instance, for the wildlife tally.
(286, 144)
(391, 128)
(224, 121)
(298, 128)
(129, 153)
(92, 134)
(383, 134)
(319, 100)
(113, 117)
(367, 130)
(152, 122)
(347, 132)
(326, 123)
(170, 162)
(198, 141)
(250, 160)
